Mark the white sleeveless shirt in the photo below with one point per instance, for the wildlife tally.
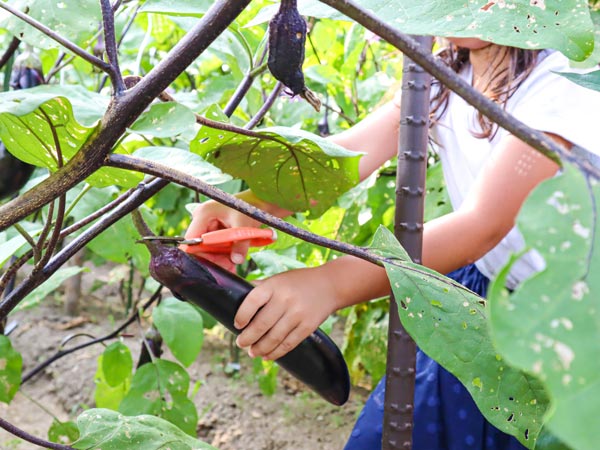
(545, 101)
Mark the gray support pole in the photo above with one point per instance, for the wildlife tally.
(408, 228)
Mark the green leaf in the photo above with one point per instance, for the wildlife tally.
(72, 19)
(181, 327)
(11, 364)
(550, 326)
(283, 166)
(448, 322)
(102, 429)
(34, 126)
(177, 7)
(590, 80)
(49, 287)
(265, 373)
(185, 161)
(165, 120)
(63, 432)
(117, 364)
(437, 202)
(564, 25)
(106, 396)
(160, 388)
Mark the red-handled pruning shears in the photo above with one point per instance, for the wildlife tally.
(221, 241)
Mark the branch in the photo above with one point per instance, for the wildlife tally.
(37, 277)
(110, 42)
(10, 51)
(265, 108)
(123, 111)
(97, 62)
(183, 179)
(59, 354)
(244, 86)
(538, 140)
(30, 438)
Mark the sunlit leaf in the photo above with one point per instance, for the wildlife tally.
(49, 286)
(160, 388)
(117, 363)
(102, 429)
(449, 324)
(106, 396)
(177, 7)
(181, 327)
(165, 120)
(281, 165)
(550, 325)
(11, 364)
(63, 432)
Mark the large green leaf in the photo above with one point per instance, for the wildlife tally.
(35, 125)
(177, 7)
(181, 327)
(284, 166)
(550, 325)
(11, 364)
(160, 388)
(102, 429)
(449, 324)
(185, 161)
(165, 120)
(72, 19)
(564, 25)
(105, 395)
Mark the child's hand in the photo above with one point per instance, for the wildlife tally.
(212, 216)
(283, 310)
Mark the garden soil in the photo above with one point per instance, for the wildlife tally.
(233, 413)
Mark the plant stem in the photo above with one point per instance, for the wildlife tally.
(110, 42)
(265, 107)
(183, 179)
(132, 318)
(37, 277)
(97, 62)
(123, 111)
(578, 156)
(10, 51)
(30, 438)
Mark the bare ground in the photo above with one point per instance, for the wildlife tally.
(234, 414)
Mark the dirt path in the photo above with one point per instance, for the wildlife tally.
(234, 414)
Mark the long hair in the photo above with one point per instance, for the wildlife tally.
(504, 80)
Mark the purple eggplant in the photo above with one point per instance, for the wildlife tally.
(316, 361)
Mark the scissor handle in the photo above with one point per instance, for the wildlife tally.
(221, 241)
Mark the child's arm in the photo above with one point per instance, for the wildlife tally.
(294, 303)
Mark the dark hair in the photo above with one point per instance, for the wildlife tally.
(502, 85)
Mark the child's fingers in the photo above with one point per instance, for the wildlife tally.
(275, 337)
(291, 341)
(260, 325)
(239, 250)
(255, 300)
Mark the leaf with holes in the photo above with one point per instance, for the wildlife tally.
(41, 129)
(292, 168)
(11, 364)
(564, 25)
(102, 429)
(448, 322)
(76, 20)
(550, 325)
(160, 388)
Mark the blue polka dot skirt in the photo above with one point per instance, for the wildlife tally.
(446, 417)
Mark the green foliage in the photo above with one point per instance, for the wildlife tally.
(63, 432)
(590, 80)
(49, 287)
(105, 395)
(181, 326)
(11, 364)
(549, 325)
(449, 323)
(116, 364)
(282, 166)
(165, 120)
(265, 372)
(102, 429)
(160, 388)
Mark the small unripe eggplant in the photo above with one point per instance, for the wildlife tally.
(26, 71)
(287, 38)
(316, 361)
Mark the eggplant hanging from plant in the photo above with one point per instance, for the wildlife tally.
(316, 361)
(14, 173)
(287, 37)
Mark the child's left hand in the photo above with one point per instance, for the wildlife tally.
(283, 310)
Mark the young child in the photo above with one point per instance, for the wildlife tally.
(488, 173)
